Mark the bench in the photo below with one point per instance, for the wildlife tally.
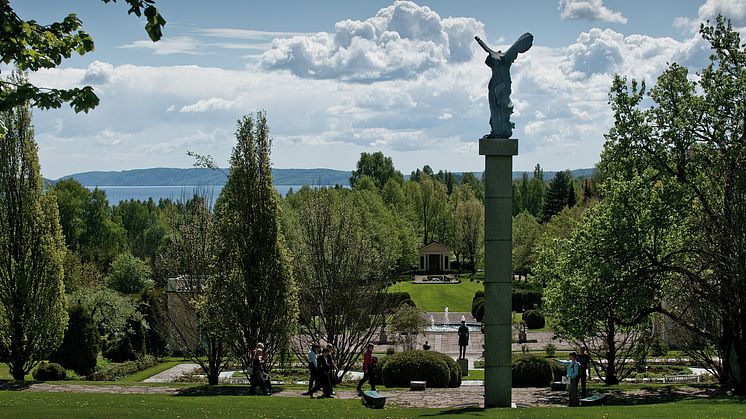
(373, 399)
(594, 399)
(417, 385)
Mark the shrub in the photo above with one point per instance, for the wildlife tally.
(558, 370)
(550, 349)
(534, 319)
(120, 350)
(117, 371)
(81, 343)
(531, 371)
(476, 302)
(525, 299)
(390, 350)
(479, 311)
(130, 274)
(436, 369)
(658, 347)
(51, 371)
(478, 294)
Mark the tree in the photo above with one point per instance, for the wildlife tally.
(475, 184)
(559, 194)
(603, 278)
(254, 276)
(31, 46)
(81, 343)
(130, 275)
(526, 234)
(32, 250)
(469, 224)
(378, 167)
(693, 137)
(186, 259)
(342, 272)
(409, 322)
(142, 223)
(429, 198)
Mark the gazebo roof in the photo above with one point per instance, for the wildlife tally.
(435, 248)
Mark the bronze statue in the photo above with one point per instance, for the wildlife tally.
(499, 87)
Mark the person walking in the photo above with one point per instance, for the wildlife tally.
(584, 360)
(368, 362)
(324, 376)
(312, 368)
(463, 339)
(257, 373)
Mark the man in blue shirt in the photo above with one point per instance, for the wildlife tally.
(312, 368)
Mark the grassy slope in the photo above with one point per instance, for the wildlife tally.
(436, 297)
(20, 404)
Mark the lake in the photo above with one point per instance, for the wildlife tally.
(116, 194)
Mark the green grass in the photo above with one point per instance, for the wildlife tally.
(20, 404)
(436, 297)
(141, 375)
(474, 375)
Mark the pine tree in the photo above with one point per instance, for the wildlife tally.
(32, 250)
(254, 283)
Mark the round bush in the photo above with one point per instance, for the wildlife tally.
(531, 371)
(534, 319)
(479, 311)
(436, 369)
(49, 372)
(474, 304)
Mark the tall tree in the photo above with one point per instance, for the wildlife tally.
(33, 312)
(694, 136)
(378, 167)
(558, 194)
(342, 272)
(31, 46)
(469, 224)
(526, 234)
(254, 274)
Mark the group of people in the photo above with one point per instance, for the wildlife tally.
(322, 371)
(259, 374)
(577, 371)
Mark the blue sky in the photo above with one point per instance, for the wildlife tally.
(338, 78)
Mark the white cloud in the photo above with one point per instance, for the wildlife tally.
(735, 10)
(167, 46)
(248, 34)
(211, 104)
(109, 137)
(402, 41)
(445, 116)
(592, 10)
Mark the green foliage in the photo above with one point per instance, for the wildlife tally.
(409, 322)
(550, 349)
(436, 297)
(32, 250)
(141, 221)
(531, 371)
(81, 343)
(468, 217)
(377, 167)
(477, 309)
(560, 194)
(397, 299)
(534, 319)
(130, 275)
(114, 372)
(31, 46)
(528, 195)
(417, 365)
(120, 349)
(524, 299)
(109, 309)
(253, 292)
(526, 234)
(49, 371)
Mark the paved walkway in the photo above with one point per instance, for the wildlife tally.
(171, 374)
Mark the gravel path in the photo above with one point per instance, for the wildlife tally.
(171, 374)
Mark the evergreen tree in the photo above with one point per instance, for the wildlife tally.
(81, 343)
(32, 250)
(254, 284)
(558, 193)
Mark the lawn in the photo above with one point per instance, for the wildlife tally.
(436, 297)
(20, 404)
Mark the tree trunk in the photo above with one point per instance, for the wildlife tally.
(212, 377)
(611, 377)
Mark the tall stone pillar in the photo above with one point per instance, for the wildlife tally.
(498, 272)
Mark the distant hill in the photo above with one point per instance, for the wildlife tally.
(200, 176)
(207, 177)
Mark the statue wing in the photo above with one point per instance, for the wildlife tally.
(521, 45)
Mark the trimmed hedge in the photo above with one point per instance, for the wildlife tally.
(534, 319)
(478, 310)
(525, 299)
(117, 371)
(51, 371)
(436, 369)
(531, 371)
(558, 370)
(397, 299)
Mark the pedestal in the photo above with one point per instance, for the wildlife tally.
(464, 364)
(498, 235)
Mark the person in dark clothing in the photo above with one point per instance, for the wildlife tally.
(257, 373)
(584, 360)
(368, 363)
(426, 346)
(324, 377)
(312, 368)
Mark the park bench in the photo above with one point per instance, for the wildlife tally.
(417, 385)
(373, 399)
(594, 399)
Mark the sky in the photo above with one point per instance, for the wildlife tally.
(339, 77)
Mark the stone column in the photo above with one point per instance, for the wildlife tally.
(498, 272)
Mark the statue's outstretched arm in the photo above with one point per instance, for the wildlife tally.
(521, 45)
(483, 45)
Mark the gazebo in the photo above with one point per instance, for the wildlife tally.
(435, 258)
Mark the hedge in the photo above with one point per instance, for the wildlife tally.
(525, 299)
(117, 371)
(436, 369)
(50, 371)
(531, 371)
(534, 319)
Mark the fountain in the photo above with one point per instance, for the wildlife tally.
(445, 316)
(432, 321)
(463, 318)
